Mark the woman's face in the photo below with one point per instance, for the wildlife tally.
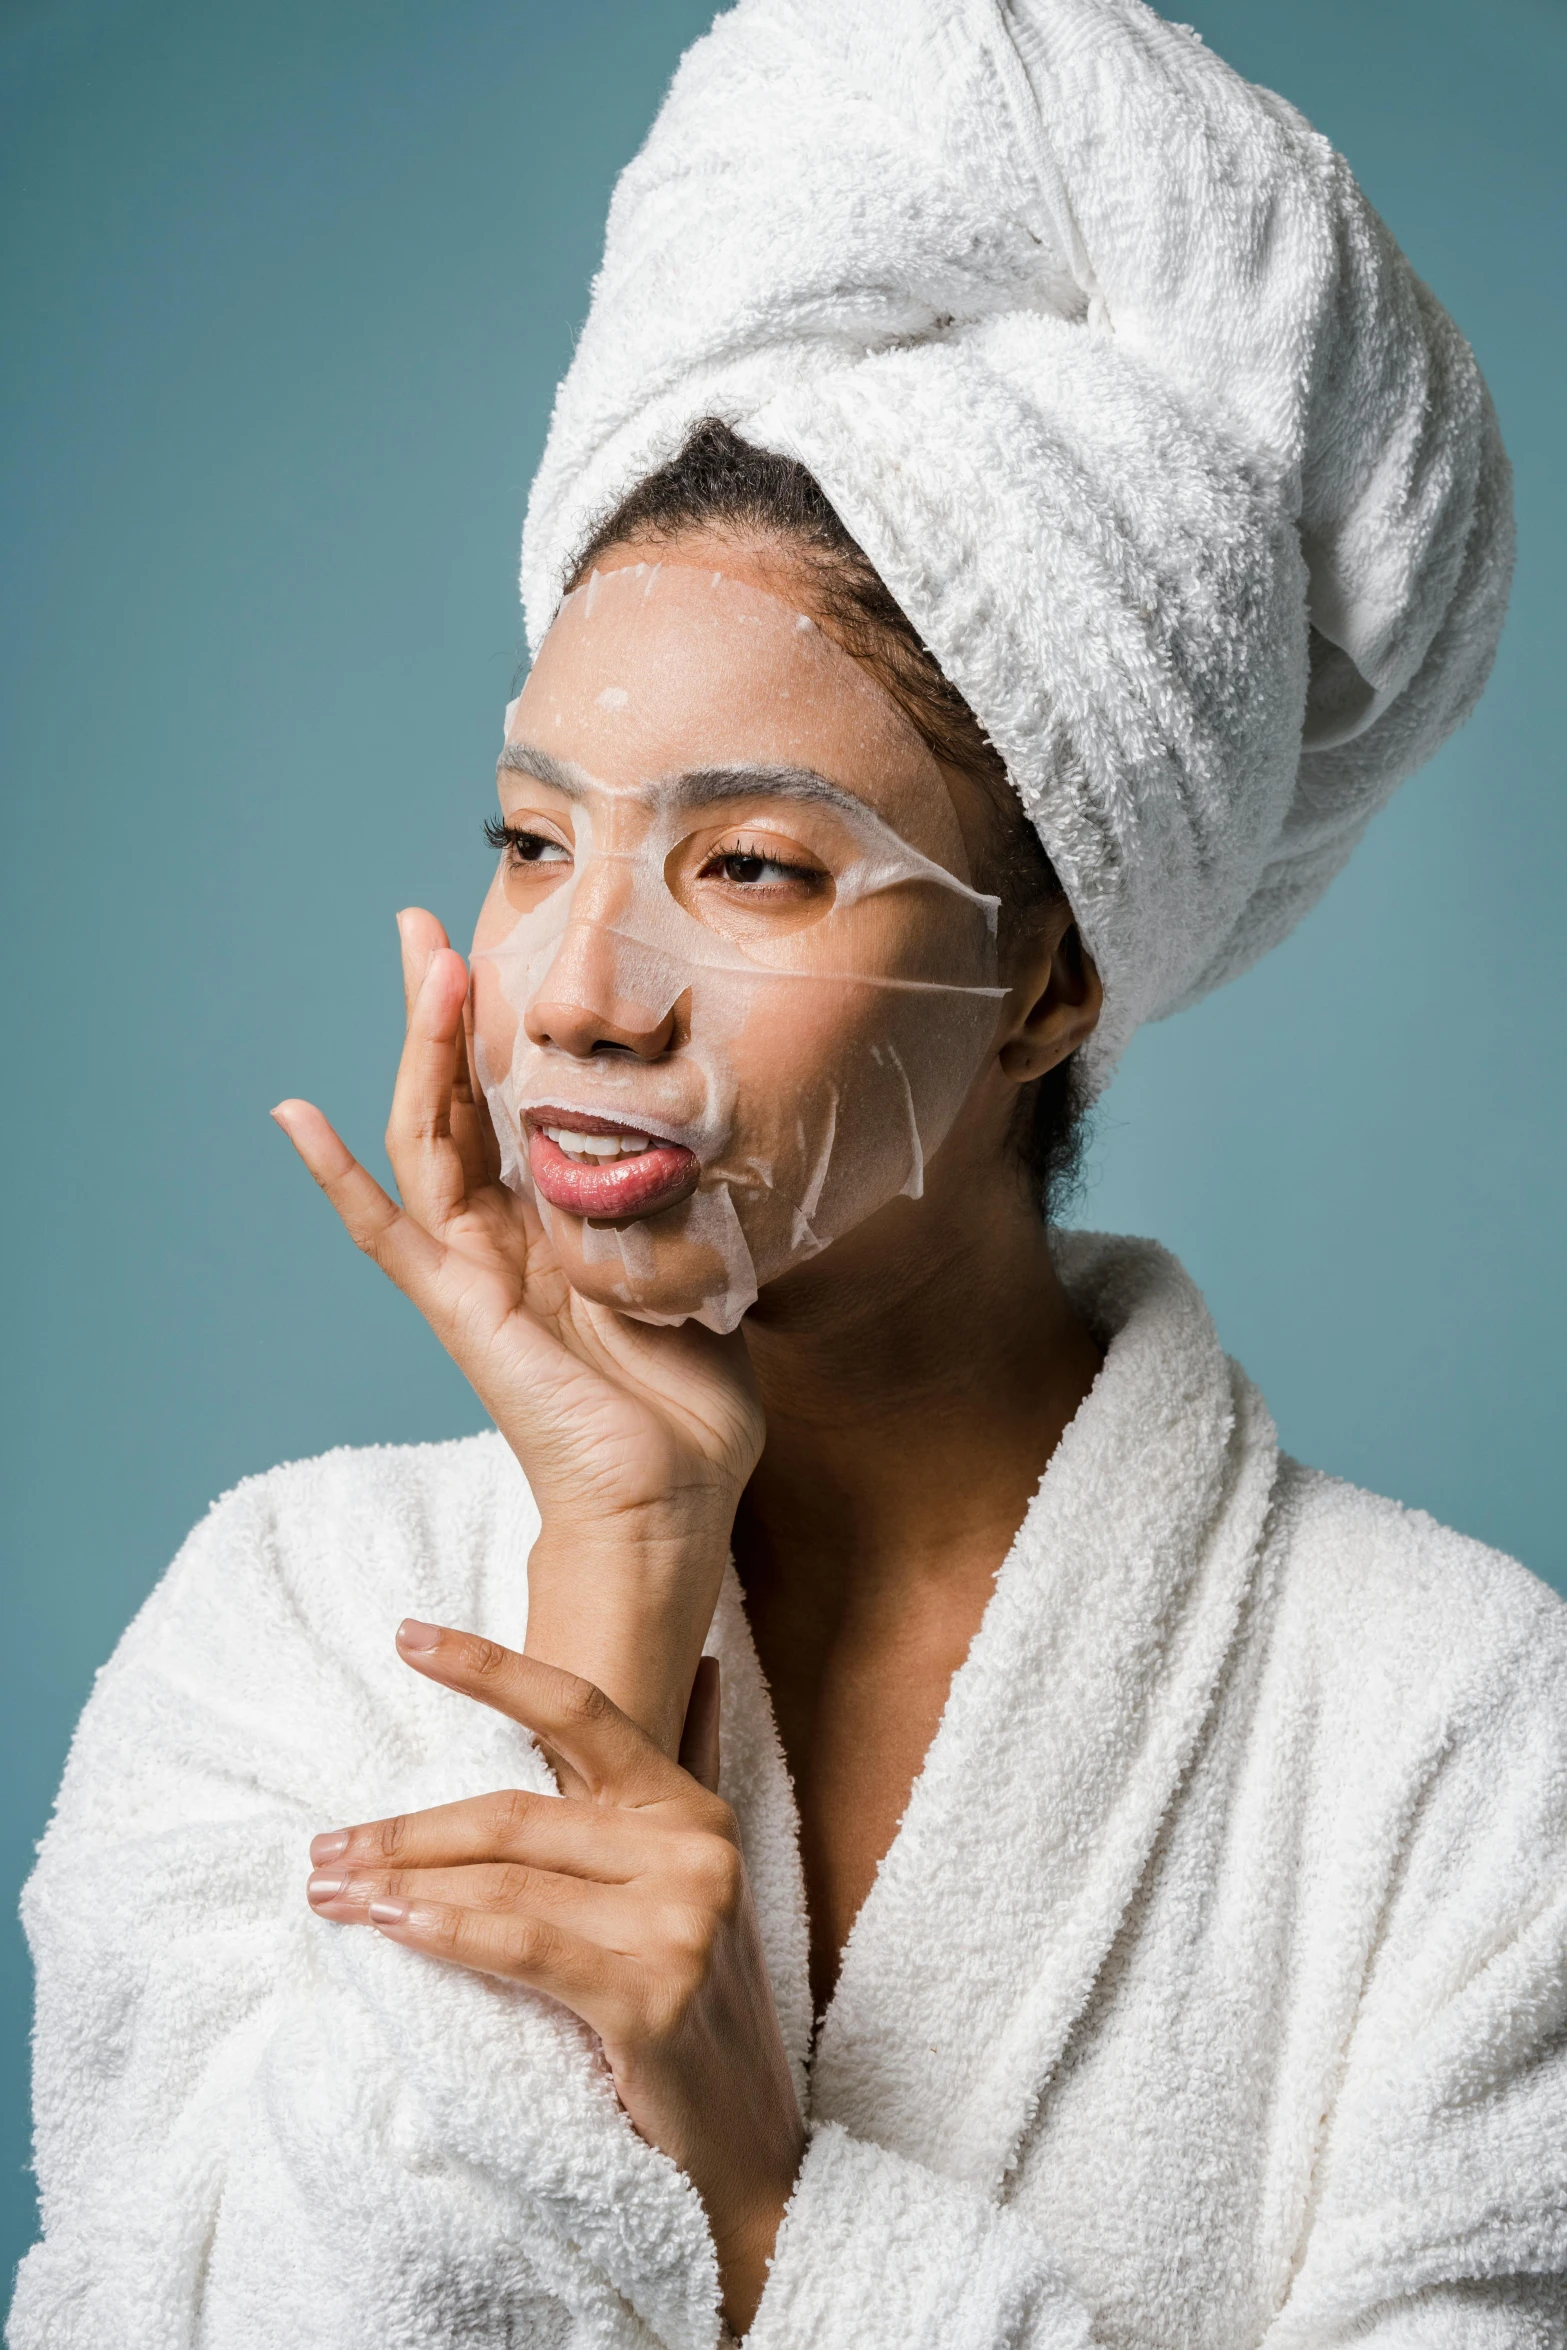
(731, 981)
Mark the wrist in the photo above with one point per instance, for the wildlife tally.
(639, 1542)
(629, 1613)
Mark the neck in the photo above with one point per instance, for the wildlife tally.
(915, 1386)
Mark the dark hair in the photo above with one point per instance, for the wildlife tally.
(719, 483)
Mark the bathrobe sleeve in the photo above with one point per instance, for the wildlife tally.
(254, 2130)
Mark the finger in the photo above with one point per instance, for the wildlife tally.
(419, 936)
(543, 1831)
(425, 1159)
(472, 1128)
(699, 1738)
(592, 1982)
(615, 1760)
(597, 1912)
(398, 1243)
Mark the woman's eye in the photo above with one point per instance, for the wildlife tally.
(744, 867)
(535, 848)
(523, 847)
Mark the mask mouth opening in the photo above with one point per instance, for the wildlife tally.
(724, 1007)
(583, 1164)
(623, 1137)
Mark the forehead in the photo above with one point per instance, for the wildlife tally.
(651, 671)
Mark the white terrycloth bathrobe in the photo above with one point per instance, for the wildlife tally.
(1212, 1992)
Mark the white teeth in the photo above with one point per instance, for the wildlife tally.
(596, 1146)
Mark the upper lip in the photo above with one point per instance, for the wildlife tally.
(589, 1122)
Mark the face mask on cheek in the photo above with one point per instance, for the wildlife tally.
(785, 1068)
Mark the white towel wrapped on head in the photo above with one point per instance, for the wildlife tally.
(1188, 483)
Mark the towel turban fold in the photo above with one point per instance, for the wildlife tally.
(1193, 490)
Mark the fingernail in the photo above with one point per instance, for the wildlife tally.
(412, 1634)
(388, 1913)
(326, 1888)
(400, 918)
(325, 1848)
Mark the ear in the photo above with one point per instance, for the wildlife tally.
(1056, 999)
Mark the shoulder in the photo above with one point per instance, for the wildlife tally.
(1418, 1657)
(265, 1655)
(1367, 1579)
(357, 1525)
(361, 1485)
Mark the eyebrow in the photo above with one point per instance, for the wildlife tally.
(697, 787)
(523, 759)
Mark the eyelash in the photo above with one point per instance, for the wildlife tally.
(743, 852)
(516, 838)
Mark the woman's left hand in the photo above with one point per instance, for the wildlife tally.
(629, 1904)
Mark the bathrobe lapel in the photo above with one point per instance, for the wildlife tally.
(1065, 1734)
(754, 1779)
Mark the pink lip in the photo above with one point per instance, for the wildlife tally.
(616, 1190)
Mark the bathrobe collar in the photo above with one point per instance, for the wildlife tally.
(1066, 1731)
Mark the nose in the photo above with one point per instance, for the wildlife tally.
(604, 994)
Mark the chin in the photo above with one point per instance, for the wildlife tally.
(654, 1275)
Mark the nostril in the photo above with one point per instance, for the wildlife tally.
(609, 1044)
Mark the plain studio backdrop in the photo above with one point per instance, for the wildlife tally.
(286, 292)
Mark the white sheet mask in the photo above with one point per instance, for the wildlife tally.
(810, 1040)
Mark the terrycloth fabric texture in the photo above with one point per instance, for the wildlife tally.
(1191, 487)
(1213, 1992)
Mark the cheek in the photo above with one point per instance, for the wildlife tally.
(908, 930)
(798, 1047)
(842, 1091)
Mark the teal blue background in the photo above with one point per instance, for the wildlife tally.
(286, 289)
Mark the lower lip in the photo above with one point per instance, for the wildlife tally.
(611, 1190)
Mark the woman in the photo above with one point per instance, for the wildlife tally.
(894, 1815)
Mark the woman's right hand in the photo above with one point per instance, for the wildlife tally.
(631, 1905)
(637, 1441)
